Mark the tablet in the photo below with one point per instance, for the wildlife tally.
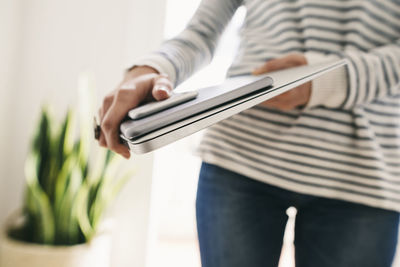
(207, 98)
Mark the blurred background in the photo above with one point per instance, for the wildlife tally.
(45, 45)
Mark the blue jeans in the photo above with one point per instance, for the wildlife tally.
(241, 223)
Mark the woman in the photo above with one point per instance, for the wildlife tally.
(330, 148)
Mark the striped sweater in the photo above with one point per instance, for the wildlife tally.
(345, 144)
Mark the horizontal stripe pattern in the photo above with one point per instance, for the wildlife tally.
(349, 152)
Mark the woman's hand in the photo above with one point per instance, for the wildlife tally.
(291, 99)
(141, 84)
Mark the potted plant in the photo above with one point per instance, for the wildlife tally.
(66, 196)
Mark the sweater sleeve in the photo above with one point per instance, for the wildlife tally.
(368, 76)
(193, 48)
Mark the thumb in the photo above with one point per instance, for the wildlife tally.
(162, 88)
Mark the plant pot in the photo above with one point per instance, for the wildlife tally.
(14, 253)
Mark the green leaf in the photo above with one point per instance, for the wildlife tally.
(86, 96)
(62, 181)
(66, 137)
(42, 145)
(68, 227)
(100, 198)
(96, 174)
(82, 212)
(38, 204)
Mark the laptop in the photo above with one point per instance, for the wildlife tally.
(233, 96)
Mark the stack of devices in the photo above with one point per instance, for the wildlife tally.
(157, 124)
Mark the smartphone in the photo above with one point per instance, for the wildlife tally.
(154, 107)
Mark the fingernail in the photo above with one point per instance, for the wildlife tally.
(163, 88)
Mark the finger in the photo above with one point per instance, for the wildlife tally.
(110, 128)
(162, 88)
(107, 101)
(289, 100)
(103, 110)
(124, 100)
(283, 101)
(102, 140)
(288, 61)
(266, 67)
(273, 65)
(281, 105)
(284, 97)
(298, 59)
(284, 107)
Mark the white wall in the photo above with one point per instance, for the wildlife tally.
(9, 34)
(45, 45)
